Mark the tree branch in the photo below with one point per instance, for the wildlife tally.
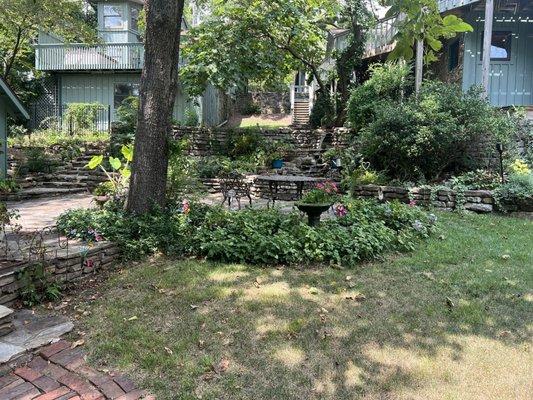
(12, 58)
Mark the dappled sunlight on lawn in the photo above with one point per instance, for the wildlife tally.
(398, 329)
(290, 356)
(483, 368)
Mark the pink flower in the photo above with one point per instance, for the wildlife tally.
(186, 207)
(340, 210)
(412, 203)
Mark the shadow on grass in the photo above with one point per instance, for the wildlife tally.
(451, 319)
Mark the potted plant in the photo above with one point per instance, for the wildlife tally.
(103, 193)
(318, 200)
(333, 157)
(278, 151)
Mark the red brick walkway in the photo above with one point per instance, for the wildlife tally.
(59, 372)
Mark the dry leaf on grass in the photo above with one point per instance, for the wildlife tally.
(222, 366)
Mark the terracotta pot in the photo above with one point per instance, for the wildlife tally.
(101, 200)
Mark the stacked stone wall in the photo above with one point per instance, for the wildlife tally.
(62, 269)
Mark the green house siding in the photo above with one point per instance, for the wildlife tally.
(100, 88)
(511, 82)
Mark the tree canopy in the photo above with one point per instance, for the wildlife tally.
(20, 21)
(257, 41)
(421, 20)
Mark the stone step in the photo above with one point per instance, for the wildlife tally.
(6, 320)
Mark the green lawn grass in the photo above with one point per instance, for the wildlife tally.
(451, 320)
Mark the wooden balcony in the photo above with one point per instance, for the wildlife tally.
(381, 37)
(83, 57)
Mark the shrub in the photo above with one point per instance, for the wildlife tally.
(105, 189)
(519, 167)
(191, 117)
(123, 131)
(517, 190)
(8, 186)
(82, 115)
(363, 176)
(183, 171)
(423, 138)
(251, 108)
(211, 167)
(37, 286)
(243, 143)
(256, 236)
(38, 160)
(388, 82)
(478, 179)
(323, 112)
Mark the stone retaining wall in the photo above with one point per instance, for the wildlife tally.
(207, 141)
(445, 199)
(481, 201)
(63, 269)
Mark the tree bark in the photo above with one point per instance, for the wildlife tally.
(419, 65)
(14, 54)
(159, 84)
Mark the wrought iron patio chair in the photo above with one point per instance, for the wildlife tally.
(234, 186)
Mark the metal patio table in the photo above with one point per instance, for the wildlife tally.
(274, 182)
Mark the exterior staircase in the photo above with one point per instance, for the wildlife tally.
(70, 177)
(300, 116)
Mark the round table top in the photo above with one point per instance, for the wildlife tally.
(290, 178)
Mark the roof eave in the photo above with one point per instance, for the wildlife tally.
(14, 104)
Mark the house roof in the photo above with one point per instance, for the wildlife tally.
(13, 103)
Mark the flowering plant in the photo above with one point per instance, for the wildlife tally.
(341, 210)
(519, 167)
(322, 193)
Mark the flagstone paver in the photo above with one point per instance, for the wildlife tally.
(39, 213)
(59, 372)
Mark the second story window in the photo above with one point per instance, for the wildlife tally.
(113, 17)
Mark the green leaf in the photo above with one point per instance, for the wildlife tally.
(125, 172)
(435, 44)
(456, 24)
(127, 152)
(95, 162)
(115, 163)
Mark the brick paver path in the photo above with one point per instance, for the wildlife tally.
(59, 372)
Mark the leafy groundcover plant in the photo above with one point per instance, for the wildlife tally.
(363, 230)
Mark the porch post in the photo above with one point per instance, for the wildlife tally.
(419, 64)
(487, 42)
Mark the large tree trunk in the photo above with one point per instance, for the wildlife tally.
(159, 83)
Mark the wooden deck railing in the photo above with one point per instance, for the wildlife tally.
(75, 57)
(381, 37)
